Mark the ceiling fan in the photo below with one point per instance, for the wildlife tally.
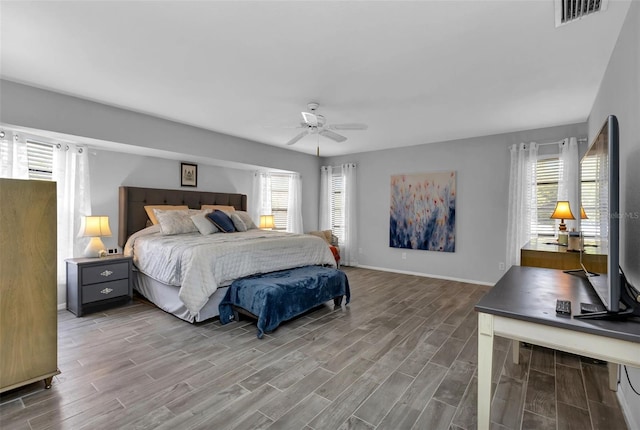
(313, 123)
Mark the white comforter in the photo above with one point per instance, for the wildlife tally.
(199, 264)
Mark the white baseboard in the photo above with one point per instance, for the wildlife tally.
(428, 275)
(62, 306)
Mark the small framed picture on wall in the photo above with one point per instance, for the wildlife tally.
(188, 175)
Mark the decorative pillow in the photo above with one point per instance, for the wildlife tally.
(221, 220)
(149, 209)
(175, 221)
(218, 207)
(203, 224)
(238, 223)
(244, 216)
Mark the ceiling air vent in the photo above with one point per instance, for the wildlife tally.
(573, 10)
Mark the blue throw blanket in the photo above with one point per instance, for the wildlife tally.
(279, 296)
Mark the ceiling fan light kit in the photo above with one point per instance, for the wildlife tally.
(313, 123)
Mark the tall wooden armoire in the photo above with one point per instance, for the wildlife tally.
(28, 284)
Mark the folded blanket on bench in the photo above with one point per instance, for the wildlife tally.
(279, 296)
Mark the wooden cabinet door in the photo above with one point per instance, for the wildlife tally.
(28, 284)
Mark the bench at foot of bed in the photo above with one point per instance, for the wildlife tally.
(279, 296)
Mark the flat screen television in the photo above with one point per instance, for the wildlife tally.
(602, 158)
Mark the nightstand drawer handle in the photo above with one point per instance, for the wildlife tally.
(106, 273)
(106, 291)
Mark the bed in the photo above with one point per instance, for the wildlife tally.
(191, 291)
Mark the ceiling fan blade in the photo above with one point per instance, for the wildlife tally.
(333, 136)
(310, 119)
(350, 126)
(298, 137)
(285, 126)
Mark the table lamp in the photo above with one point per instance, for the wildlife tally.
(562, 212)
(266, 222)
(95, 227)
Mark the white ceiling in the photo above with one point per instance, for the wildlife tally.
(415, 72)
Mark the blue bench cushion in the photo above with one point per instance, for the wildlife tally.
(279, 296)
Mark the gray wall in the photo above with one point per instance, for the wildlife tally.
(482, 176)
(25, 106)
(620, 95)
(109, 170)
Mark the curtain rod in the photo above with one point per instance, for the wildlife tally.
(582, 139)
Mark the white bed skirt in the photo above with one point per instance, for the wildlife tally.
(166, 298)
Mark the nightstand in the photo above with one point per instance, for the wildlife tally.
(98, 283)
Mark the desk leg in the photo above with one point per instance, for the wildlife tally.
(613, 376)
(515, 349)
(485, 359)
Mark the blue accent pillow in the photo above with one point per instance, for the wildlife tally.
(222, 221)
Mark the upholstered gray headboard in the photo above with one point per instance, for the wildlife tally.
(132, 216)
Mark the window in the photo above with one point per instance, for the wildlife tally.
(40, 160)
(548, 172)
(337, 205)
(279, 195)
(279, 200)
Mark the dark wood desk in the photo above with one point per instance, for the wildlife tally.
(521, 306)
(540, 253)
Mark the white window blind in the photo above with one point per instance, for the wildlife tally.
(279, 200)
(337, 205)
(40, 160)
(548, 173)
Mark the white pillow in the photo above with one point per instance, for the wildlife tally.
(245, 218)
(237, 221)
(150, 209)
(203, 224)
(175, 221)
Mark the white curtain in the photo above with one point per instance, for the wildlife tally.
(522, 199)
(569, 181)
(13, 156)
(349, 248)
(294, 204)
(71, 172)
(260, 203)
(326, 202)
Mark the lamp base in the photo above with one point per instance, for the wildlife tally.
(563, 238)
(95, 248)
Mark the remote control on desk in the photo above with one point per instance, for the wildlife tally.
(563, 307)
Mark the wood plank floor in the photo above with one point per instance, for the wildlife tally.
(402, 355)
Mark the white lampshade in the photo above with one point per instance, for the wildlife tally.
(266, 222)
(95, 227)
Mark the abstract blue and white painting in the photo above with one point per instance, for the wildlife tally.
(423, 211)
